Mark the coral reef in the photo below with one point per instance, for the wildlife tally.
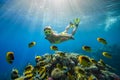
(67, 66)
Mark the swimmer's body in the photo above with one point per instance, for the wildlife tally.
(55, 38)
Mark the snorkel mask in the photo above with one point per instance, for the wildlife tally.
(48, 30)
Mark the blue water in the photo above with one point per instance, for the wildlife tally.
(23, 21)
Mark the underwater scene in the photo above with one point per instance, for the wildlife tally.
(60, 39)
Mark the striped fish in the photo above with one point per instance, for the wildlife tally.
(42, 73)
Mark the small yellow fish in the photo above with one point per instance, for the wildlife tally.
(101, 40)
(31, 44)
(20, 78)
(10, 57)
(28, 72)
(86, 48)
(84, 60)
(29, 76)
(107, 55)
(37, 58)
(29, 67)
(14, 74)
(55, 48)
(15, 71)
(42, 73)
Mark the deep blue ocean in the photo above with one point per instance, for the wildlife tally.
(23, 21)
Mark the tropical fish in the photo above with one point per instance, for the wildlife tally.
(84, 60)
(86, 48)
(43, 73)
(55, 48)
(14, 74)
(28, 76)
(37, 58)
(10, 57)
(40, 72)
(28, 72)
(21, 78)
(101, 40)
(31, 44)
(15, 71)
(107, 55)
(29, 67)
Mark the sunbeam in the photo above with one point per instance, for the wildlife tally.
(39, 13)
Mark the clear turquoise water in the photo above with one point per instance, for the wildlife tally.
(23, 21)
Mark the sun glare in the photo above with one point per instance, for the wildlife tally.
(46, 12)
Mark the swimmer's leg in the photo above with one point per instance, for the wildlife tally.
(73, 25)
(76, 24)
(74, 30)
(67, 28)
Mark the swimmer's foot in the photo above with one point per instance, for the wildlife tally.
(76, 22)
(72, 38)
